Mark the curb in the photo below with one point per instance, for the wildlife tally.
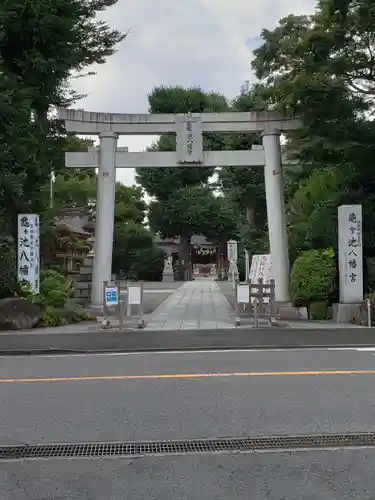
(140, 340)
(54, 352)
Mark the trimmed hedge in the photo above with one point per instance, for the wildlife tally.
(313, 277)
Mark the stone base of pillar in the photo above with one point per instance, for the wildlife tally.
(168, 273)
(345, 313)
(168, 278)
(285, 311)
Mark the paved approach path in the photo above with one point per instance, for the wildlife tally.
(196, 305)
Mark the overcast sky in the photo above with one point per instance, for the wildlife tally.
(207, 43)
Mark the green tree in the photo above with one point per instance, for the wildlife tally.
(320, 68)
(312, 212)
(130, 204)
(160, 182)
(42, 44)
(133, 242)
(58, 37)
(194, 210)
(129, 240)
(148, 264)
(244, 186)
(348, 29)
(292, 65)
(135, 253)
(183, 198)
(18, 137)
(74, 144)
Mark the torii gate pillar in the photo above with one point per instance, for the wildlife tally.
(105, 215)
(278, 238)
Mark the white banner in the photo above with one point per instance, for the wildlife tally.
(28, 250)
(350, 253)
(261, 268)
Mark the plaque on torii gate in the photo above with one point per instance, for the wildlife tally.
(189, 139)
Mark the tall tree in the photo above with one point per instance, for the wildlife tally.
(159, 182)
(18, 136)
(347, 28)
(320, 68)
(244, 186)
(292, 65)
(183, 199)
(42, 43)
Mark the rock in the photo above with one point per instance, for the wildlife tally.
(360, 316)
(17, 313)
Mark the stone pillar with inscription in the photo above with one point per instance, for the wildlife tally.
(277, 233)
(105, 211)
(350, 262)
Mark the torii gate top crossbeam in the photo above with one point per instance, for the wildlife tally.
(86, 122)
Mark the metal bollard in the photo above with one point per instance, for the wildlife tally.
(256, 315)
(237, 320)
(368, 312)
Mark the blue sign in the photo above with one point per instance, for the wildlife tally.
(111, 296)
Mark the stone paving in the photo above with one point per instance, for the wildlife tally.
(196, 305)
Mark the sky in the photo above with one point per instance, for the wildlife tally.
(205, 43)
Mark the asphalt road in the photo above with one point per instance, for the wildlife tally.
(154, 396)
(328, 475)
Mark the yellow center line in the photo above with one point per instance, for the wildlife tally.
(182, 376)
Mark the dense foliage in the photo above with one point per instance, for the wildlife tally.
(184, 202)
(42, 44)
(313, 277)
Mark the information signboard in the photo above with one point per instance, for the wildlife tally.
(111, 296)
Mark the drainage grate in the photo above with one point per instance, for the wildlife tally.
(131, 449)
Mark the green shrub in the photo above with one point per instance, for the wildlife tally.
(74, 313)
(318, 310)
(25, 291)
(53, 317)
(54, 289)
(313, 277)
(8, 268)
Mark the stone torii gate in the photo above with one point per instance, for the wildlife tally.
(189, 152)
